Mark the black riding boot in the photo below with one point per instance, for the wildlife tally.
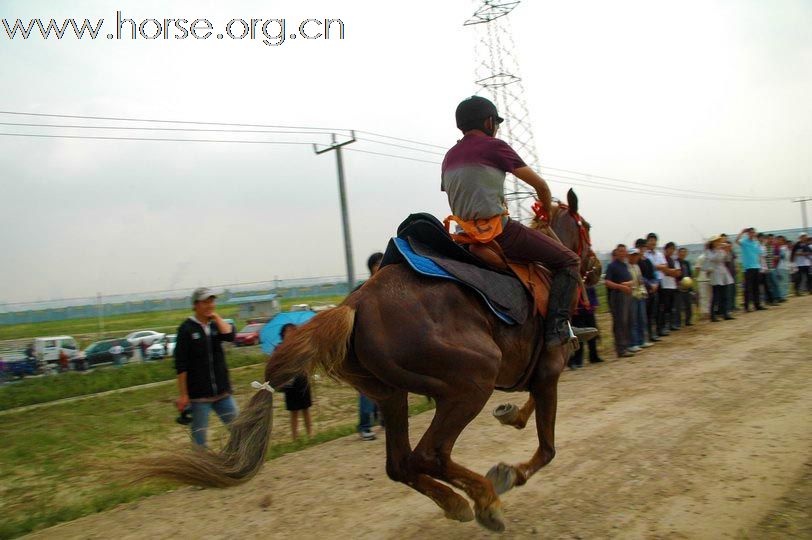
(557, 330)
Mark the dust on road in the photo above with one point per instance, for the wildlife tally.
(706, 435)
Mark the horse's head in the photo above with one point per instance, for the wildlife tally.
(573, 231)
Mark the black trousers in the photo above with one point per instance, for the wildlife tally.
(652, 308)
(620, 304)
(719, 304)
(666, 311)
(684, 309)
(751, 293)
(763, 283)
(583, 320)
(804, 274)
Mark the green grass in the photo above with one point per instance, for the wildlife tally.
(60, 463)
(120, 325)
(43, 389)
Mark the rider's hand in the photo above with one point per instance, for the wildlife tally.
(548, 208)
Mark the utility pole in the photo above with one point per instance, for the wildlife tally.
(803, 201)
(342, 193)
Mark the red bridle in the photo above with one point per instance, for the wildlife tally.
(584, 244)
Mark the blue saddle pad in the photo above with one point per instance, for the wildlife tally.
(427, 267)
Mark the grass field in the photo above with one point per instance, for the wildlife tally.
(59, 463)
(34, 390)
(120, 325)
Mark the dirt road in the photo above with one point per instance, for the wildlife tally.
(706, 435)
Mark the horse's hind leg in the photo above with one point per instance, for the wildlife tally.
(396, 414)
(511, 415)
(433, 455)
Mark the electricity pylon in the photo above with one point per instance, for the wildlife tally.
(498, 76)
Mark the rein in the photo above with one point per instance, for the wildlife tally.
(584, 241)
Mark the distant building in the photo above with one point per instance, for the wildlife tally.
(257, 306)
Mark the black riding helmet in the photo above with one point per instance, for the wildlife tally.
(473, 111)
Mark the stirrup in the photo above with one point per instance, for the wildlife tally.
(568, 339)
(583, 334)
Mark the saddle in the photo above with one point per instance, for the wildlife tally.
(513, 290)
(536, 279)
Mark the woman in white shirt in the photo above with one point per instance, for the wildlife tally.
(716, 255)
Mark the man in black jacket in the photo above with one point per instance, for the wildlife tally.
(201, 365)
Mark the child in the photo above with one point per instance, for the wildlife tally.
(297, 396)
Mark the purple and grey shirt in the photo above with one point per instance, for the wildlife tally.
(473, 175)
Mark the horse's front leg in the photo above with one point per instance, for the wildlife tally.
(511, 415)
(544, 392)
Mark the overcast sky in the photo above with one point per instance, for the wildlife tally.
(703, 95)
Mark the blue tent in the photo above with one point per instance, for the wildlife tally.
(270, 337)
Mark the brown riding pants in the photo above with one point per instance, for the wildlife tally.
(524, 244)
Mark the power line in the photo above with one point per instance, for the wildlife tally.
(402, 146)
(573, 181)
(609, 187)
(392, 155)
(207, 130)
(657, 185)
(154, 120)
(135, 128)
(579, 182)
(101, 138)
(588, 181)
(401, 139)
(589, 176)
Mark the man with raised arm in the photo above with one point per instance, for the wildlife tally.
(201, 365)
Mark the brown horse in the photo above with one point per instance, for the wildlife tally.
(400, 333)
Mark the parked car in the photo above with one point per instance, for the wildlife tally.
(147, 336)
(11, 369)
(108, 351)
(162, 348)
(48, 350)
(248, 335)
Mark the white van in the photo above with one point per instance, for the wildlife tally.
(47, 349)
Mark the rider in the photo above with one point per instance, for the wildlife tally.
(473, 176)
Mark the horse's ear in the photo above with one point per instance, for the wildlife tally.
(572, 201)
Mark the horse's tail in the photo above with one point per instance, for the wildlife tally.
(322, 341)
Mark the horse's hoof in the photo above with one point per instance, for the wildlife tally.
(506, 413)
(503, 477)
(462, 513)
(491, 518)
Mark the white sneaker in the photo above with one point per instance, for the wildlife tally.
(646, 345)
(368, 435)
(634, 349)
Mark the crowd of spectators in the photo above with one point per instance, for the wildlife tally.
(653, 291)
